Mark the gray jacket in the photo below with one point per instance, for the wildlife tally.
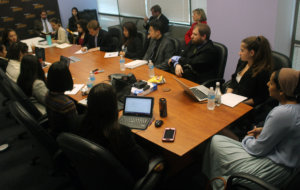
(164, 52)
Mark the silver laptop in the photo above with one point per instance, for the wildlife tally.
(199, 92)
(138, 112)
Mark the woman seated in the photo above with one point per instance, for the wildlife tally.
(61, 110)
(101, 126)
(9, 37)
(132, 46)
(199, 16)
(253, 71)
(32, 81)
(73, 20)
(270, 153)
(3, 60)
(15, 55)
(83, 35)
(60, 35)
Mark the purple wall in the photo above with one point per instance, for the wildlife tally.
(233, 20)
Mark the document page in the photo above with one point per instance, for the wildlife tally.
(231, 99)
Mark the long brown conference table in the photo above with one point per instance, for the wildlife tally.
(194, 123)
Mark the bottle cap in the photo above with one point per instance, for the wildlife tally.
(218, 83)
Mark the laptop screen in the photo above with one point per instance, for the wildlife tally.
(139, 106)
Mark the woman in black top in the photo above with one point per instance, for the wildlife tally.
(253, 70)
(101, 126)
(73, 20)
(9, 37)
(83, 36)
(3, 60)
(132, 46)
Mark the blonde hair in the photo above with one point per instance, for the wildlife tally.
(201, 13)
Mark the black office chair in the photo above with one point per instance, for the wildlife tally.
(176, 44)
(24, 118)
(237, 182)
(116, 35)
(97, 168)
(222, 59)
(142, 36)
(280, 61)
(4, 86)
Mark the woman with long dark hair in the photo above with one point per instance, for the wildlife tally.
(9, 37)
(253, 70)
(32, 81)
(271, 152)
(100, 125)
(83, 33)
(132, 46)
(73, 20)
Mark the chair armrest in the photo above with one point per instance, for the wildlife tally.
(212, 82)
(250, 178)
(149, 181)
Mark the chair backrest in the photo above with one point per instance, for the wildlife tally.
(38, 132)
(95, 166)
(116, 34)
(142, 36)
(177, 45)
(222, 58)
(280, 61)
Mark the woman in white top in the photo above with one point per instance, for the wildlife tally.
(32, 81)
(15, 55)
(60, 33)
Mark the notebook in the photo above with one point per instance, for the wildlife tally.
(199, 92)
(138, 112)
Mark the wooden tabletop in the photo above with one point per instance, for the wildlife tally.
(193, 122)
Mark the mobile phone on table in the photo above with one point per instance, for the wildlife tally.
(169, 135)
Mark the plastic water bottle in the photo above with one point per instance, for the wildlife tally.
(92, 76)
(151, 69)
(218, 94)
(89, 84)
(122, 63)
(211, 99)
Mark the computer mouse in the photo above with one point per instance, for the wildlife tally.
(158, 123)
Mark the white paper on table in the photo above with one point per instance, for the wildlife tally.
(136, 63)
(46, 46)
(64, 45)
(111, 54)
(83, 102)
(75, 89)
(231, 99)
(32, 42)
(80, 52)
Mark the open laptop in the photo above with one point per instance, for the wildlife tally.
(197, 92)
(138, 112)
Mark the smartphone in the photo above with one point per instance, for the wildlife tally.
(169, 135)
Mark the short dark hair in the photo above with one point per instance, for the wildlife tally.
(31, 70)
(83, 24)
(203, 29)
(59, 78)
(156, 8)
(55, 21)
(157, 25)
(43, 10)
(15, 50)
(93, 24)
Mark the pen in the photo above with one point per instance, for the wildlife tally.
(99, 71)
(95, 70)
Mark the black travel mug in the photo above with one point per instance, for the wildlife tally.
(163, 107)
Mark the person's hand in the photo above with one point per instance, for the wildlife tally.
(170, 61)
(93, 49)
(122, 53)
(84, 49)
(146, 19)
(178, 70)
(229, 90)
(255, 132)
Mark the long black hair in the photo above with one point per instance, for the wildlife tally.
(31, 70)
(15, 50)
(5, 39)
(132, 32)
(101, 120)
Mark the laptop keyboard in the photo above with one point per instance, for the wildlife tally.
(198, 93)
(129, 120)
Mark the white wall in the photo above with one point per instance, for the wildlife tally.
(284, 26)
(65, 8)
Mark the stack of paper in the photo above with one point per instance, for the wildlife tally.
(136, 63)
(111, 54)
(64, 45)
(75, 89)
(232, 100)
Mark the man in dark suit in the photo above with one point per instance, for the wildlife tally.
(99, 39)
(198, 62)
(42, 25)
(157, 15)
(161, 48)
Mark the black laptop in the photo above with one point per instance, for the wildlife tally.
(138, 112)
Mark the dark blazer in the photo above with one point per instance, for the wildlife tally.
(251, 87)
(86, 38)
(164, 20)
(165, 51)
(199, 63)
(3, 63)
(72, 24)
(134, 49)
(38, 26)
(104, 41)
